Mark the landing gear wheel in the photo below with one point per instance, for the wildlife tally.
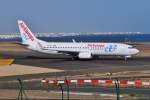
(126, 57)
(74, 58)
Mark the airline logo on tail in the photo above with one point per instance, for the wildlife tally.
(26, 31)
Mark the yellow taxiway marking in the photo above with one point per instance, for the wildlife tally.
(6, 61)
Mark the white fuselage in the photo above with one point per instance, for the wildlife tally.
(93, 48)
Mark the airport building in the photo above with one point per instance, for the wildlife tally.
(84, 37)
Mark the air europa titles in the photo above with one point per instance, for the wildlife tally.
(96, 45)
(25, 29)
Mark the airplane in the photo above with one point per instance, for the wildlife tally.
(77, 50)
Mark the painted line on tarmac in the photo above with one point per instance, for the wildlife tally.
(87, 94)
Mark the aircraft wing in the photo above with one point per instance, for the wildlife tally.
(69, 52)
(81, 54)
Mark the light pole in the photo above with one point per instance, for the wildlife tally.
(21, 92)
(62, 91)
(117, 89)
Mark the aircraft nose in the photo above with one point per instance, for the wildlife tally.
(136, 51)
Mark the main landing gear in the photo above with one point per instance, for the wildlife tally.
(74, 58)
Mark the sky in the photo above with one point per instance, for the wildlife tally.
(76, 15)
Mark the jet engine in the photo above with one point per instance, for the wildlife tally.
(85, 55)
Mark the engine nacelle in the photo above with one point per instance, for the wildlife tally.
(85, 55)
(129, 56)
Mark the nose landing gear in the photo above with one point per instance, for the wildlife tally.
(126, 57)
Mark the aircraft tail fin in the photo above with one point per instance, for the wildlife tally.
(25, 32)
(28, 38)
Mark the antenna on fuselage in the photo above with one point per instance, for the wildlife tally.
(73, 40)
